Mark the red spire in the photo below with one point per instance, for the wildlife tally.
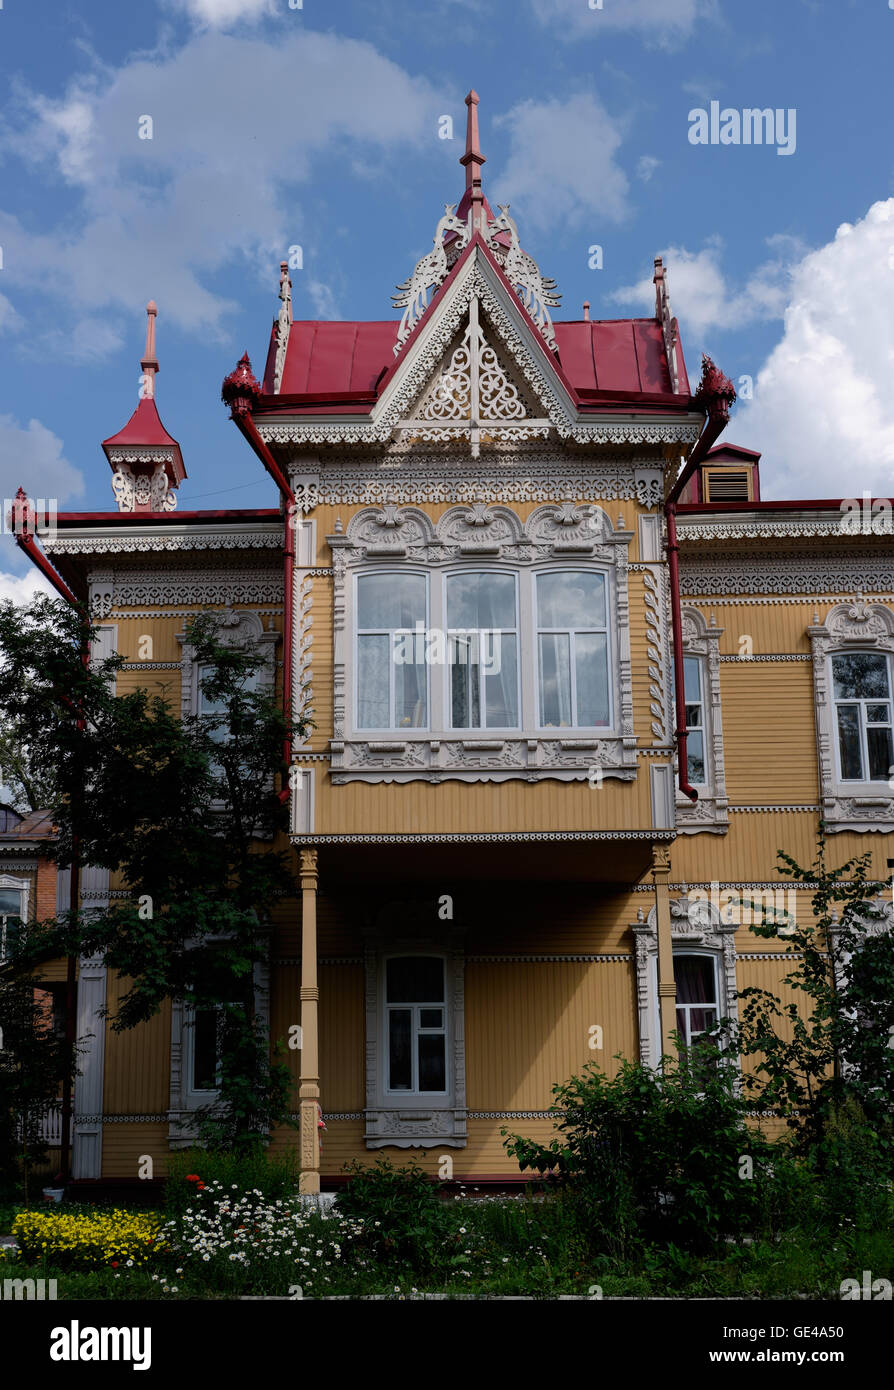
(473, 158)
(143, 448)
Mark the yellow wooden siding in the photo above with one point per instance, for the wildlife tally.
(124, 1146)
(138, 1061)
(528, 1026)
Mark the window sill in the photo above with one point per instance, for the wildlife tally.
(485, 755)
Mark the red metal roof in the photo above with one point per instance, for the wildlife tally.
(144, 428)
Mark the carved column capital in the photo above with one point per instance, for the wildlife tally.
(308, 870)
(661, 863)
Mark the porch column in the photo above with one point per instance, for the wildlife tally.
(667, 989)
(309, 1088)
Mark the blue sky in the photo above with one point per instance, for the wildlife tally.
(319, 126)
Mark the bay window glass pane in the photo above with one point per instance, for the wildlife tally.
(400, 1061)
(409, 696)
(431, 1018)
(432, 1062)
(860, 676)
(571, 600)
(390, 601)
(500, 670)
(849, 743)
(881, 753)
(591, 669)
(414, 980)
(695, 756)
(481, 601)
(555, 679)
(878, 714)
(373, 676)
(463, 700)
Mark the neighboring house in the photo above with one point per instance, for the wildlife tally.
(473, 595)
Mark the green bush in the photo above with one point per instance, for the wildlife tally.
(655, 1156)
(273, 1175)
(405, 1223)
(852, 1162)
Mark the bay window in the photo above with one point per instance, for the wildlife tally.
(573, 649)
(861, 690)
(392, 686)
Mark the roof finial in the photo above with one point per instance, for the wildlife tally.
(149, 364)
(586, 311)
(473, 160)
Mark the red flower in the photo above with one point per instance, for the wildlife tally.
(114, 1264)
(200, 1187)
(193, 1177)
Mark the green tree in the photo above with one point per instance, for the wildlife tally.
(186, 811)
(838, 1048)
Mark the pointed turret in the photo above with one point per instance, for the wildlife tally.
(146, 461)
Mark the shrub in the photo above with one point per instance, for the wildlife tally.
(654, 1155)
(404, 1221)
(88, 1240)
(273, 1175)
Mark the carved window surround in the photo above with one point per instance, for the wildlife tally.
(696, 928)
(711, 811)
(563, 535)
(855, 626)
(242, 628)
(416, 1122)
(184, 1100)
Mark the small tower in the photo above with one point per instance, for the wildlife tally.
(146, 462)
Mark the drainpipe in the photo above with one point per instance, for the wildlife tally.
(240, 391)
(22, 519)
(716, 393)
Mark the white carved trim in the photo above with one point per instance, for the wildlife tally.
(710, 812)
(858, 625)
(811, 574)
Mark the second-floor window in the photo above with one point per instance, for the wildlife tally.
(392, 687)
(573, 649)
(11, 912)
(695, 720)
(482, 651)
(861, 683)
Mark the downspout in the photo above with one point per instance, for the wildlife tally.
(240, 391)
(716, 393)
(24, 534)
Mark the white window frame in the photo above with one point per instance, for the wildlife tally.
(397, 1096)
(680, 951)
(863, 723)
(701, 642)
(391, 729)
(22, 887)
(860, 625)
(515, 632)
(701, 728)
(572, 633)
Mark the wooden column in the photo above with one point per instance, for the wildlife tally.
(309, 1089)
(667, 989)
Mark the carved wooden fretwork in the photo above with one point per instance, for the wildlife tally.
(478, 533)
(537, 292)
(807, 572)
(472, 388)
(142, 588)
(854, 626)
(696, 925)
(134, 492)
(711, 811)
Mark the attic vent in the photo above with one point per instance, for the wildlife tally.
(726, 485)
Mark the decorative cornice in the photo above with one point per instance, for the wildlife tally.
(494, 838)
(106, 542)
(549, 960)
(768, 656)
(769, 810)
(806, 572)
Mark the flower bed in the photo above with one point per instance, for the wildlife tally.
(113, 1239)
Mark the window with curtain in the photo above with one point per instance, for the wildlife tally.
(861, 684)
(696, 981)
(573, 649)
(482, 645)
(693, 687)
(392, 685)
(416, 1025)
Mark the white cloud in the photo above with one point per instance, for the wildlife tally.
(663, 23)
(157, 218)
(823, 410)
(550, 143)
(11, 320)
(701, 295)
(32, 458)
(22, 588)
(646, 166)
(222, 14)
